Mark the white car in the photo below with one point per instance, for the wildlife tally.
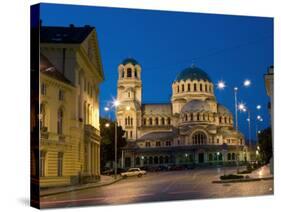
(133, 172)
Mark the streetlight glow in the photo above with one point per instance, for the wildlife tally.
(241, 107)
(258, 107)
(247, 83)
(236, 88)
(128, 108)
(107, 125)
(221, 85)
(258, 117)
(116, 103)
(106, 108)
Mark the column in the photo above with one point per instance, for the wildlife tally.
(89, 158)
(98, 159)
(93, 158)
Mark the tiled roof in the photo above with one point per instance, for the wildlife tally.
(50, 34)
(129, 60)
(158, 135)
(193, 73)
(157, 109)
(46, 67)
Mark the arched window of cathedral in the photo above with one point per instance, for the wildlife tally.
(210, 156)
(204, 117)
(198, 116)
(156, 121)
(145, 160)
(182, 87)
(228, 156)
(162, 121)
(123, 73)
(129, 72)
(210, 88)
(150, 121)
(201, 87)
(137, 161)
(225, 120)
(178, 88)
(166, 159)
(131, 121)
(185, 117)
(144, 121)
(126, 121)
(206, 88)
(233, 156)
(188, 87)
(155, 160)
(150, 160)
(136, 74)
(220, 119)
(199, 138)
(161, 160)
(169, 121)
(194, 87)
(191, 117)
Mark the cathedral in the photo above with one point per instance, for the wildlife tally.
(193, 128)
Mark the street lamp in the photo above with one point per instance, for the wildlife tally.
(221, 85)
(247, 83)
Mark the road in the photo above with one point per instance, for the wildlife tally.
(161, 186)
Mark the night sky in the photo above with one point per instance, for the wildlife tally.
(228, 48)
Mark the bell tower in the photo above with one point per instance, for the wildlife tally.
(129, 95)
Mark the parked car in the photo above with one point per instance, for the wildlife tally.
(133, 172)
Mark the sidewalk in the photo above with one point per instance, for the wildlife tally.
(105, 180)
(262, 173)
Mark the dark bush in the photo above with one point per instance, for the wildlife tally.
(231, 177)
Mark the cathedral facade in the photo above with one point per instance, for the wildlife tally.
(191, 129)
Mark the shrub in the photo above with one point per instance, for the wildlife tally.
(231, 177)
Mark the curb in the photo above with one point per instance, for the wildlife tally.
(83, 188)
(242, 180)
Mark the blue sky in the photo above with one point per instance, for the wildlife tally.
(228, 48)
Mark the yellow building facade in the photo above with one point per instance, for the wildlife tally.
(70, 74)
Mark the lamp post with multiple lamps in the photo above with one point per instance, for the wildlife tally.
(238, 106)
(116, 103)
(243, 108)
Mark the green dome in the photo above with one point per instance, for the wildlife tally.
(130, 60)
(193, 73)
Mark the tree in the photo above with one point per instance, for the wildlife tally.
(265, 144)
(107, 132)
